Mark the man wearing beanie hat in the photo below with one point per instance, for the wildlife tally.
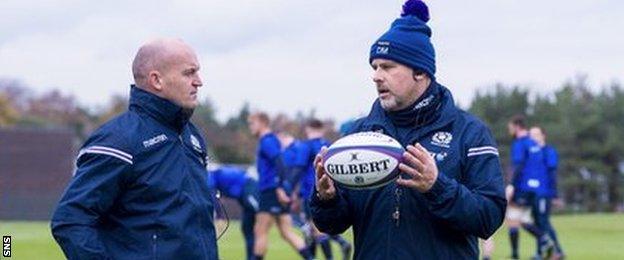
(450, 191)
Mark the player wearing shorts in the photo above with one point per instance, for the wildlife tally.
(547, 196)
(272, 181)
(296, 154)
(528, 182)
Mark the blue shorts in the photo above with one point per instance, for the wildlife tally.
(523, 199)
(269, 203)
(249, 197)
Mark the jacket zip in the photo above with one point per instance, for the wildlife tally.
(183, 147)
(154, 240)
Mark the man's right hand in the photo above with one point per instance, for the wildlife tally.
(295, 206)
(324, 184)
(282, 197)
(509, 191)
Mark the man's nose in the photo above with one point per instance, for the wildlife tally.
(197, 82)
(377, 76)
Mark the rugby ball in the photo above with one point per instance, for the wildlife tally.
(363, 160)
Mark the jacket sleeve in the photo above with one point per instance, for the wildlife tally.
(304, 155)
(518, 159)
(296, 175)
(518, 154)
(476, 203)
(552, 163)
(271, 149)
(96, 184)
(332, 216)
(282, 173)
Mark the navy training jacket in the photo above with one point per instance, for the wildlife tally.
(139, 190)
(467, 200)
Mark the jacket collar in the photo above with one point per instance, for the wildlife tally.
(440, 116)
(162, 110)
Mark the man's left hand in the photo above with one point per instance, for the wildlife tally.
(420, 166)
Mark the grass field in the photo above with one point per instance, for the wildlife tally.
(596, 236)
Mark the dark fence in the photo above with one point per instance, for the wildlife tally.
(35, 166)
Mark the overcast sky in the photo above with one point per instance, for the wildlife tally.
(288, 55)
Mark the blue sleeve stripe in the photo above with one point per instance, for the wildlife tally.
(106, 151)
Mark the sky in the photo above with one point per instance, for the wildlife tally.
(284, 56)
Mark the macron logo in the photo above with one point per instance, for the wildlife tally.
(425, 102)
(154, 140)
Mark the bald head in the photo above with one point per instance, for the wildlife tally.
(156, 55)
(168, 68)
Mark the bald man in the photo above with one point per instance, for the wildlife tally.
(139, 190)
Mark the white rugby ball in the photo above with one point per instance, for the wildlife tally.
(363, 160)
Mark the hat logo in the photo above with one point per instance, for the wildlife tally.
(382, 48)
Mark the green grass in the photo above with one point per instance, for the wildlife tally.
(595, 236)
(31, 240)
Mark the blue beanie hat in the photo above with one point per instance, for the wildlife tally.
(408, 40)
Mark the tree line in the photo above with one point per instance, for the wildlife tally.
(585, 126)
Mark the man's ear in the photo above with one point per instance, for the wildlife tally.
(419, 76)
(155, 79)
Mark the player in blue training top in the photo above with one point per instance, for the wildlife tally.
(234, 182)
(528, 180)
(547, 196)
(295, 154)
(315, 132)
(450, 191)
(274, 200)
